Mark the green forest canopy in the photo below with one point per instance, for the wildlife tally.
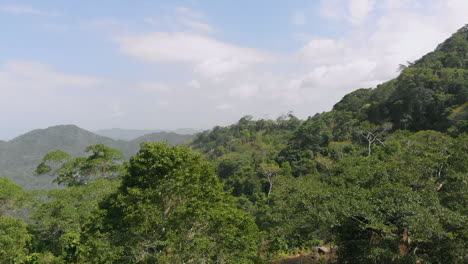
(382, 178)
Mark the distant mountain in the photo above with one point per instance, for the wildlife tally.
(129, 148)
(124, 134)
(187, 131)
(131, 134)
(20, 156)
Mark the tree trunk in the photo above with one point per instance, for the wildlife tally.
(269, 189)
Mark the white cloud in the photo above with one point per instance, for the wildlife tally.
(299, 18)
(34, 95)
(359, 10)
(208, 57)
(217, 68)
(244, 80)
(35, 76)
(324, 51)
(215, 82)
(371, 54)
(25, 10)
(456, 11)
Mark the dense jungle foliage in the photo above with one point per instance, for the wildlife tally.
(382, 178)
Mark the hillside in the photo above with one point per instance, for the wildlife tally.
(431, 93)
(365, 171)
(20, 156)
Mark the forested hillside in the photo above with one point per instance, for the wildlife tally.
(381, 178)
(20, 156)
(364, 174)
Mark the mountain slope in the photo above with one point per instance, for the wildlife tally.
(431, 93)
(427, 92)
(20, 156)
(358, 176)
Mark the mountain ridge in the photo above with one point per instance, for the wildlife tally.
(20, 156)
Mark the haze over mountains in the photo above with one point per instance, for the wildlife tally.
(20, 156)
(130, 134)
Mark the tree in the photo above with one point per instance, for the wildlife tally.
(298, 216)
(238, 174)
(373, 133)
(61, 216)
(11, 196)
(392, 206)
(14, 238)
(269, 171)
(308, 140)
(101, 162)
(171, 208)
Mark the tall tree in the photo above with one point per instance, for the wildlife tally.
(171, 208)
(101, 162)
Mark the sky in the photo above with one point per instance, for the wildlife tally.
(201, 63)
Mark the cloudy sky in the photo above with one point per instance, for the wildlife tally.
(199, 63)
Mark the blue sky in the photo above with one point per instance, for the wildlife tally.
(195, 63)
